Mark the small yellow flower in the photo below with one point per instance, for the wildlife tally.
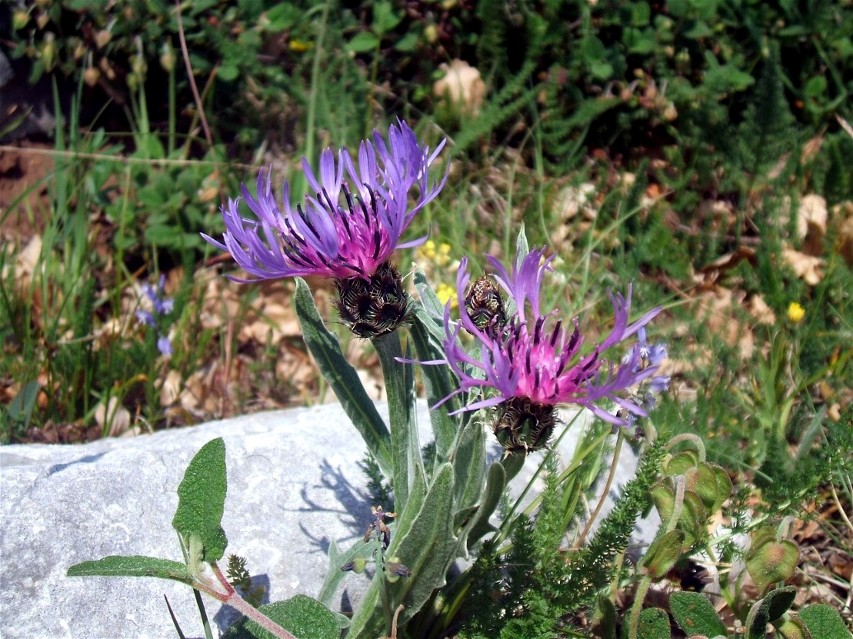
(298, 46)
(445, 292)
(796, 313)
(442, 255)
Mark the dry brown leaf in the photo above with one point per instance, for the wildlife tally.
(807, 267)
(811, 149)
(27, 262)
(112, 415)
(730, 260)
(462, 86)
(717, 306)
(812, 217)
(170, 390)
(758, 308)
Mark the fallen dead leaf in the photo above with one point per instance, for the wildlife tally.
(812, 217)
(807, 267)
(758, 308)
(462, 86)
(170, 390)
(112, 415)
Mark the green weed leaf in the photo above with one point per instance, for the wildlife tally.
(695, 614)
(768, 610)
(201, 500)
(654, 624)
(824, 621)
(132, 566)
(772, 561)
(306, 618)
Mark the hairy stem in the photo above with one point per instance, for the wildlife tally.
(620, 437)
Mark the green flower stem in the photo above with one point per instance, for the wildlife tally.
(620, 437)
(646, 581)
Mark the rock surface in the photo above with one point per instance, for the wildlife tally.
(294, 485)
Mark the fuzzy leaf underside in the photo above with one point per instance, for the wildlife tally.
(132, 566)
(201, 500)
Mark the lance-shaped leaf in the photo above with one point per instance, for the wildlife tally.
(400, 387)
(132, 566)
(335, 575)
(341, 376)
(201, 501)
(469, 465)
(438, 380)
(478, 525)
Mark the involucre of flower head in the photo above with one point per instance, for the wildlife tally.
(536, 359)
(348, 225)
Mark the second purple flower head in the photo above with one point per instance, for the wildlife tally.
(530, 361)
(346, 228)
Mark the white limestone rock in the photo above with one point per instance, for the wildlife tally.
(294, 485)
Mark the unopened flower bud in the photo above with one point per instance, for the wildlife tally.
(167, 56)
(78, 48)
(90, 76)
(357, 565)
(431, 33)
(102, 38)
(48, 52)
(20, 19)
(42, 19)
(394, 570)
(138, 66)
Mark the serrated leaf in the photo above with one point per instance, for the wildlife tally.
(695, 614)
(341, 376)
(824, 621)
(201, 500)
(132, 566)
(306, 618)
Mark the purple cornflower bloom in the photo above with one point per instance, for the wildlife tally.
(350, 223)
(160, 306)
(533, 363)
